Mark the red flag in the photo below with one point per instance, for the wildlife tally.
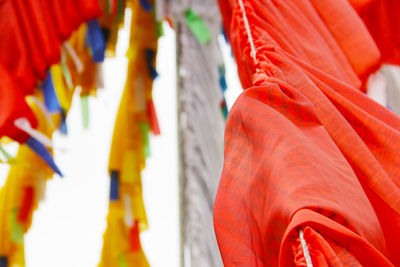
(134, 237)
(14, 55)
(26, 206)
(32, 45)
(46, 31)
(13, 106)
(154, 126)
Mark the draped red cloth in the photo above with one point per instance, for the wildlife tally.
(383, 20)
(304, 148)
(14, 55)
(13, 106)
(31, 34)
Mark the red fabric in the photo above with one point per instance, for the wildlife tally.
(30, 42)
(14, 55)
(114, 5)
(13, 106)
(134, 237)
(351, 34)
(154, 126)
(46, 31)
(32, 32)
(68, 15)
(26, 206)
(332, 245)
(73, 13)
(304, 148)
(311, 31)
(90, 9)
(60, 18)
(35, 54)
(383, 20)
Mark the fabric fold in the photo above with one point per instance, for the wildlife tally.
(303, 137)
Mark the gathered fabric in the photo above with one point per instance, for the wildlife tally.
(304, 147)
(382, 20)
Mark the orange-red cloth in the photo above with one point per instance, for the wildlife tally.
(45, 29)
(30, 41)
(304, 148)
(32, 32)
(13, 106)
(14, 55)
(34, 50)
(68, 15)
(382, 20)
(326, 34)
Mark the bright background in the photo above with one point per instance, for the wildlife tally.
(68, 227)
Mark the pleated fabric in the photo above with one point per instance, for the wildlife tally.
(305, 150)
(382, 20)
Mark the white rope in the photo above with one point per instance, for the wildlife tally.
(43, 109)
(128, 211)
(246, 24)
(75, 58)
(24, 125)
(305, 249)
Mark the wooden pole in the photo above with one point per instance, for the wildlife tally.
(179, 87)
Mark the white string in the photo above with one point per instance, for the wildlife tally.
(128, 211)
(43, 109)
(246, 24)
(305, 249)
(75, 58)
(24, 125)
